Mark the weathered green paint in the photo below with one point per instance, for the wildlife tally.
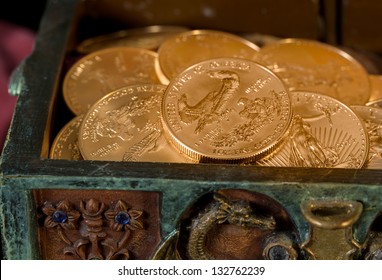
(19, 225)
(177, 196)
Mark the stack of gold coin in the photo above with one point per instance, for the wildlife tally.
(207, 96)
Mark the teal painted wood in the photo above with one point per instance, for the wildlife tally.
(19, 225)
(178, 195)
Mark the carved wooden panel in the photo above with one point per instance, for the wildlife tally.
(97, 224)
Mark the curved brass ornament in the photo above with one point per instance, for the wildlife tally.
(331, 228)
(167, 250)
(222, 210)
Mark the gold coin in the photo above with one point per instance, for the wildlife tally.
(65, 144)
(375, 88)
(181, 51)
(101, 72)
(324, 133)
(368, 63)
(312, 66)
(228, 110)
(149, 37)
(372, 118)
(375, 103)
(259, 39)
(125, 126)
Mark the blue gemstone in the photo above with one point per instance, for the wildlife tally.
(59, 217)
(122, 218)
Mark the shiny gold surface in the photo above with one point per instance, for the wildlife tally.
(226, 109)
(372, 117)
(369, 63)
(331, 214)
(330, 235)
(125, 126)
(375, 88)
(324, 133)
(106, 70)
(65, 145)
(149, 37)
(260, 40)
(375, 103)
(314, 66)
(183, 50)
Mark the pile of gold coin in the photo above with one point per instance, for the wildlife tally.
(207, 96)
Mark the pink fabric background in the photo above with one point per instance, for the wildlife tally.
(16, 43)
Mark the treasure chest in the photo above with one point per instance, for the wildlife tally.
(140, 209)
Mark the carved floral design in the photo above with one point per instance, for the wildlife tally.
(62, 215)
(122, 218)
(95, 241)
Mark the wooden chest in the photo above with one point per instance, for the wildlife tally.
(61, 209)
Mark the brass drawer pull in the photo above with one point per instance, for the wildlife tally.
(331, 233)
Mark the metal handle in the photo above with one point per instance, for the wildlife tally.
(331, 214)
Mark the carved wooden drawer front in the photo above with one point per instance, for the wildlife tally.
(100, 224)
